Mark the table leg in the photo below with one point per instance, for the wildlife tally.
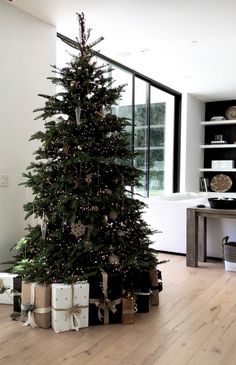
(202, 234)
(192, 238)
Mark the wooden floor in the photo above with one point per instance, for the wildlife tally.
(194, 324)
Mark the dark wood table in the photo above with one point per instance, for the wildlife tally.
(197, 231)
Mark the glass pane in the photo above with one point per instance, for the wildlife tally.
(141, 133)
(123, 108)
(161, 142)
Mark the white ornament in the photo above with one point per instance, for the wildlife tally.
(78, 229)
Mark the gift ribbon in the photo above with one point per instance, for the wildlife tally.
(105, 304)
(74, 314)
(6, 290)
(30, 315)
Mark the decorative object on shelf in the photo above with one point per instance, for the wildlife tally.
(229, 254)
(231, 112)
(220, 183)
(222, 164)
(222, 203)
(218, 139)
(217, 118)
(204, 183)
(219, 142)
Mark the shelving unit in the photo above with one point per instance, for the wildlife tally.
(224, 151)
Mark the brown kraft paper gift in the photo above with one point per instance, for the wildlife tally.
(128, 310)
(153, 276)
(38, 295)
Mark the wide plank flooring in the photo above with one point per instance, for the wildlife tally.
(194, 324)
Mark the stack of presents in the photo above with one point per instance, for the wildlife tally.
(64, 307)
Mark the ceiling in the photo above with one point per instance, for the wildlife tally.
(188, 45)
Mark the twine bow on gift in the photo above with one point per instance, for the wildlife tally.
(74, 314)
(28, 310)
(105, 304)
(2, 287)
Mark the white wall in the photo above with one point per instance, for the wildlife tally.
(28, 47)
(193, 112)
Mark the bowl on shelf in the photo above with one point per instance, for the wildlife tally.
(225, 203)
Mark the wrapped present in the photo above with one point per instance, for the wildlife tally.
(36, 305)
(128, 309)
(105, 299)
(70, 306)
(6, 288)
(154, 276)
(155, 285)
(154, 296)
(17, 283)
(142, 301)
(143, 281)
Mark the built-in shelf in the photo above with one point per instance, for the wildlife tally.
(225, 145)
(217, 170)
(221, 122)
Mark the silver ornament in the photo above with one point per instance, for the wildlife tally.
(43, 229)
(77, 114)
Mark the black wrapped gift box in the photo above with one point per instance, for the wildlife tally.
(17, 283)
(97, 296)
(143, 294)
(142, 301)
(144, 282)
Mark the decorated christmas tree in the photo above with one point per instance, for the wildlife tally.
(82, 181)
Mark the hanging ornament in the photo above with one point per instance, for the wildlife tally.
(113, 215)
(77, 114)
(88, 245)
(88, 178)
(66, 148)
(64, 223)
(108, 191)
(72, 83)
(99, 114)
(105, 218)
(114, 259)
(98, 175)
(94, 208)
(43, 228)
(77, 181)
(120, 233)
(78, 229)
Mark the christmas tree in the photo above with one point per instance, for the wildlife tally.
(82, 180)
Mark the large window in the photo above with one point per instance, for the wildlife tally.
(154, 113)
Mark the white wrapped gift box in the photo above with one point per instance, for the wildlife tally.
(70, 304)
(6, 285)
(230, 266)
